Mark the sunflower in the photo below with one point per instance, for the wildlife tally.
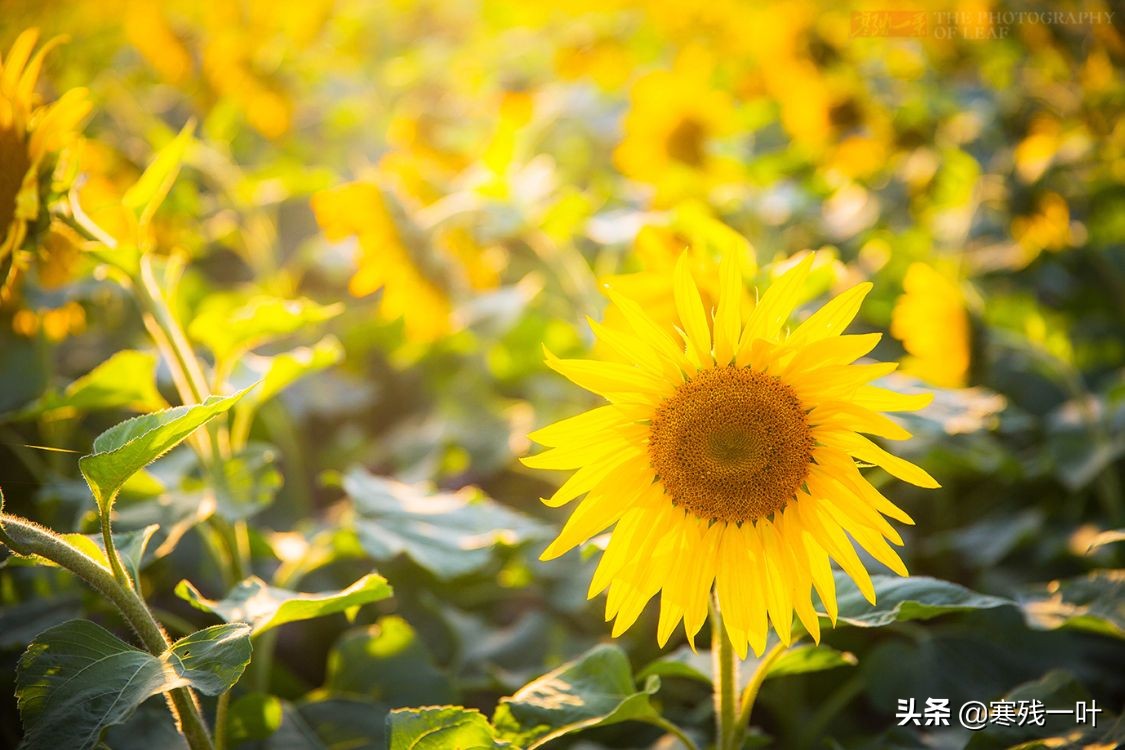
(359, 209)
(931, 320)
(33, 136)
(730, 462)
(675, 118)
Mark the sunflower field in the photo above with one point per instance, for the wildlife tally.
(478, 374)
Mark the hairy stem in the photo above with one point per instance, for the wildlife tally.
(726, 679)
(25, 537)
(750, 692)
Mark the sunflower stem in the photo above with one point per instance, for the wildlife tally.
(27, 538)
(726, 679)
(750, 693)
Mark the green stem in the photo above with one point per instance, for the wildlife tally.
(25, 537)
(726, 678)
(222, 711)
(750, 692)
(675, 731)
(111, 550)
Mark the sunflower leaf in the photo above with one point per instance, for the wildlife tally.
(596, 689)
(149, 191)
(127, 380)
(126, 448)
(1094, 603)
(441, 727)
(77, 678)
(900, 599)
(265, 607)
(448, 534)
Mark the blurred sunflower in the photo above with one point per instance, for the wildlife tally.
(731, 461)
(674, 118)
(932, 322)
(359, 210)
(33, 140)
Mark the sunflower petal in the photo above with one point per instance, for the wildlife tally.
(728, 321)
(833, 318)
(689, 306)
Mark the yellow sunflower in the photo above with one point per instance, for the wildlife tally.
(932, 322)
(730, 461)
(358, 209)
(33, 136)
(674, 119)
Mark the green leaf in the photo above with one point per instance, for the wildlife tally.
(441, 728)
(212, 659)
(810, 658)
(386, 661)
(253, 717)
(264, 607)
(229, 326)
(278, 372)
(150, 190)
(596, 689)
(1094, 602)
(127, 380)
(78, 678)
(448, 534)
(900, 599)
(683, 662)
(128, 447)
(251, 481)
(347, 724)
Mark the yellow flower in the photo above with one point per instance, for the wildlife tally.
(33, 138)
(931, 320)
(359, 210)
(673, 119)
(729, 461)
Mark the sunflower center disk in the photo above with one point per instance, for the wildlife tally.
(731, 444)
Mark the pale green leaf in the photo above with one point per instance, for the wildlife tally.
(128, 447)
(229, 325)
(441, 728)
(127, 380)
(596, 689)
(810, 658)
(263, 607)
(149, 191)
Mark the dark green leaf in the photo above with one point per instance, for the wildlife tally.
(347, 724)
(388, 662)
(264, 607)
(449, 534)
(78, 678)
(212, 659)
(914, 598)
(1094, 602)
